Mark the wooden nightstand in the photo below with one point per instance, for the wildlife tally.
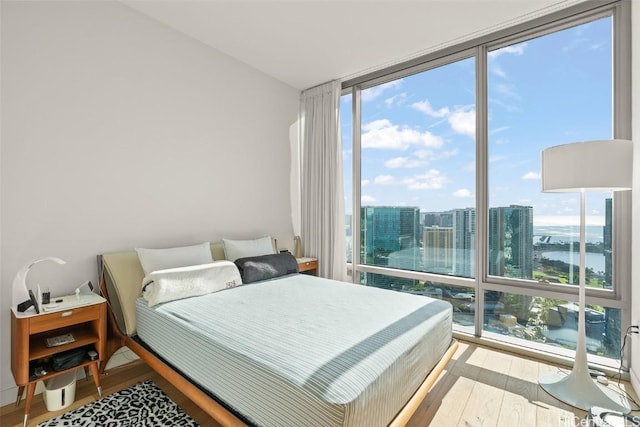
(308, 265)
(84, 318)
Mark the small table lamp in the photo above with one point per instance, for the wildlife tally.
(20, 292)
(580, 167)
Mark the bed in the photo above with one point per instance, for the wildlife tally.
(287, 351)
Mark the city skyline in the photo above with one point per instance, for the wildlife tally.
(444, 242)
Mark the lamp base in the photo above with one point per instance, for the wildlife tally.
(579, 390)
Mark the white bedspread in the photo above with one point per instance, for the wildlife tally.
(302, 350)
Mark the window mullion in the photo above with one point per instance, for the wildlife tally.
(482, 196)
(357, 182)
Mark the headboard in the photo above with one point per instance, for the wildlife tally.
(123, 274)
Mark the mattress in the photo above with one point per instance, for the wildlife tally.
(302, 350)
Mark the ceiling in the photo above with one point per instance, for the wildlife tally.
(304, 43)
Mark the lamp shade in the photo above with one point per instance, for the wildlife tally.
(20, 292)
(604, 165)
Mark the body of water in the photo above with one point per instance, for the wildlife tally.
(567, 233)
(594, 261)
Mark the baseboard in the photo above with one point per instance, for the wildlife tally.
(120, 357)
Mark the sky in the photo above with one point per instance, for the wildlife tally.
(418, 132)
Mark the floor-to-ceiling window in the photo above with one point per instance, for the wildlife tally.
(549, 89)
(442, 176)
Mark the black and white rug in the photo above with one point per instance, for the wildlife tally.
(144, 404)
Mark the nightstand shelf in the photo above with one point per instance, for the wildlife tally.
(50, 373)
(39, 350)
(85, 319)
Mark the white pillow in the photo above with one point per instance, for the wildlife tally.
(183, 256)
(184, 282)
(234, 249)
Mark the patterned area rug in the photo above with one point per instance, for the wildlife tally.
(144, 404)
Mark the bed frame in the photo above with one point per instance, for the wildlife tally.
(120, 278)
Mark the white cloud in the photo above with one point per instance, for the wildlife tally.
(498, 130)
(424, 154)
(497, 70)
(364, 183)
(449, 153)
(425, 107)
(420, 158)
(531, 175)
(383, 134)
(404, 162)
(494, 67)
(430, 180)
(374, 92)
(396, 99)
(463, 122)
(384, 180)
(507, 90)
(463, 193)
(517, 50)
(461, 119)
(429, 155)
(367, 199)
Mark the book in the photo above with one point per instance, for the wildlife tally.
(59, 340)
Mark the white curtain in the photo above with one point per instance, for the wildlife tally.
(294, 140)
(321, 184)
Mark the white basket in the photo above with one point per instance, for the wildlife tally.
(60, 391)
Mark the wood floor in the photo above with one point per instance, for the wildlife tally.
(480, 387)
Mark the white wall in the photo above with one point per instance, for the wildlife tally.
(635, 249)
(117, 132)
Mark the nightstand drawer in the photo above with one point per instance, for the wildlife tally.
(63, 318)
(309, 265)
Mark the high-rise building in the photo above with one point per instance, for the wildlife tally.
(464, 242)
(511, 241)
(612, 316)
(390, 233)
(348, 232)
(440, 219)
(437, 249)
(607, 240)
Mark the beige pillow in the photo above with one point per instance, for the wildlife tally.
(183, 256)
(234, 249)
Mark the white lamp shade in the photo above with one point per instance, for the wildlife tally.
(20, 292)
(591, 166)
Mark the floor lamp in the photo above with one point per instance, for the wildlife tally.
(580, 167)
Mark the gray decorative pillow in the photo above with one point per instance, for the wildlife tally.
(263, 267)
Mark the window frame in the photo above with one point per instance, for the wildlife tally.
(619, 296)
